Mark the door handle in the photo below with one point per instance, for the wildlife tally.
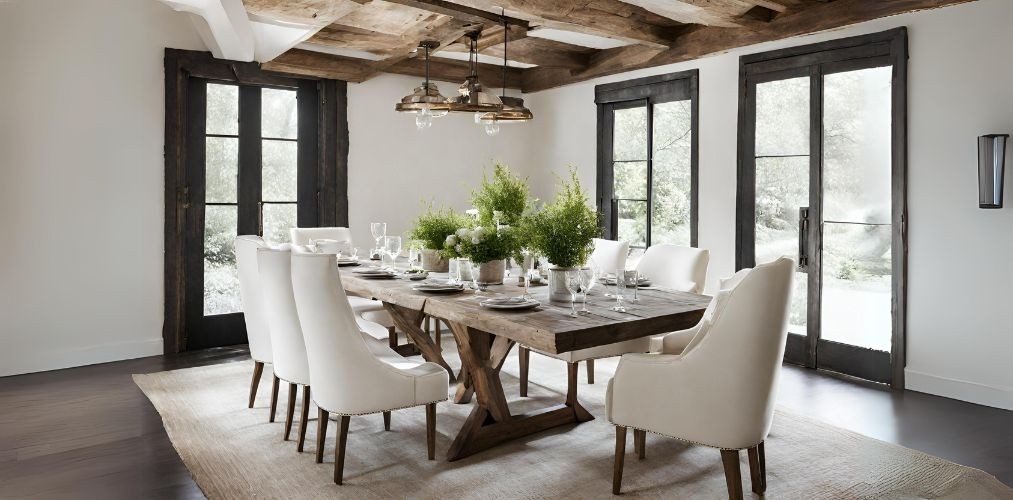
(803, 239)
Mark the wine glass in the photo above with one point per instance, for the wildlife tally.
(414, 255)
(379, 231)
(476, 269)
(392, 245)
(589, 279)
(454, 272)
(620, 288)
(572, 280)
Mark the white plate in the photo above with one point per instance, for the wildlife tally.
(510, 305)
(436, 289)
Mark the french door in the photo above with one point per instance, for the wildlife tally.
(821, 179)
(247, 153)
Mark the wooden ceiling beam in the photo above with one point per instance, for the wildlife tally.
(606, 18)
(698, 42)
(308, 12)
(462, 12)
(350, 69)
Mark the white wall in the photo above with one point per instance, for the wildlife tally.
(960, 323)
(81, 179)
(392, 166)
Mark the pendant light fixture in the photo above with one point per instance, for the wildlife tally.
(513, 107)
(473, 99)
(425, 102)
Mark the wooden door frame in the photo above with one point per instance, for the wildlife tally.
(887, 47)
(330, 155)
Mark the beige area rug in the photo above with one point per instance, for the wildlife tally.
(233, 452)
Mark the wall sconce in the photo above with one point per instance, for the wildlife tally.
(991, 161)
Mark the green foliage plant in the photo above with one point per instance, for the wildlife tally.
(481, 243)
(504, 198)
(432, 227)
(564, 230)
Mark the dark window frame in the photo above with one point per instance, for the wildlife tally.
(323, 144)
(887, 48)
(683, 85)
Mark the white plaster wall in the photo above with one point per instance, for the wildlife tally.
(81, 179)
(960, 323)
(392, 166)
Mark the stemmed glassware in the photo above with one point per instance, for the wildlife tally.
(392, 248)
(476, 269)
(414, 256)
(379, 231)
(589, 278)
(620, 288)
(573, 279)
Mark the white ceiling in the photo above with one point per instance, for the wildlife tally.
(574, 38)
(484, 58)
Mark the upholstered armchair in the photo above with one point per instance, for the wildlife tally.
(610, 255)
(737, 349)
(365, 307)
(349, 378)
(257, 331)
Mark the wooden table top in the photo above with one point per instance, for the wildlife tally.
(549, 327)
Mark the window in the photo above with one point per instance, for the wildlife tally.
(647, 159)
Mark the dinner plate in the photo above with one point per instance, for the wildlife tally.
(437, 288)
(509, 305)
(612, 281)
(348, 263)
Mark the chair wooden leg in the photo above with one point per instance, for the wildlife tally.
(757, 472)
(258, 371)
(304, 418)
(291, 410)
(322, 417)
(431, 430)
(640, 443)
(386, 420)
(617, 468)
(339, 449)
(524, 355)
(392, 337)
(733, 477)
(438, 337)
(590, 371)
(274, 398)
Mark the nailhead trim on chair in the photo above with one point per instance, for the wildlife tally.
(372, 412)
(684, 440)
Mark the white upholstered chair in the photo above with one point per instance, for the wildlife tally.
(610, 254)
(306, 235)
(348, 378)
(668, 266)
(257, 332)
(737, 350)
(290, 362)
(364, 307)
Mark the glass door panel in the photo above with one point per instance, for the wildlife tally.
(782, 166)
(857, 233)
(280, 158)
(672, 174)
(221, 200)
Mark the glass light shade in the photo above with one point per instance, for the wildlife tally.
(492, 128)
(991, 163)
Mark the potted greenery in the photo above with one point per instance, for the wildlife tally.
(486, 248)
(431, 230)
(504, 199)
(564, 231)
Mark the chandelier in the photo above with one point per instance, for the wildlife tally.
(513, 107)
(425, 102)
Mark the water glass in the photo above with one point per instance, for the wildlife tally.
(620, 288)
(476, 269)
(632, 278)
(589, 278)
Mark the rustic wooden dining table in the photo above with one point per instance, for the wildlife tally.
(485, 337)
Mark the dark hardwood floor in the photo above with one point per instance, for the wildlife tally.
(89, 432)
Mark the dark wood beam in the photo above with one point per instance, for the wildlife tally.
(350, 69)
(700, 41)
(462, 12)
